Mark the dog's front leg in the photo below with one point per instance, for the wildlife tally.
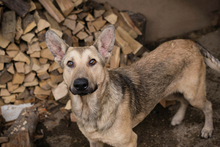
(96, 143)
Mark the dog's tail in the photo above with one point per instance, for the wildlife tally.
(210, 60)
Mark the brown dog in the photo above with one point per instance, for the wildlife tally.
(109, 103)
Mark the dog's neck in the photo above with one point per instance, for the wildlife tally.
(93, 111)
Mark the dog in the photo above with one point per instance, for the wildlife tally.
(108, 103)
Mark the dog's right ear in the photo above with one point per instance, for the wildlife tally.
(56, 46)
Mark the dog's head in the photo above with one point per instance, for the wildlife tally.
(83, 67)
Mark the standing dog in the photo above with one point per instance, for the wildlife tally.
(107, 104)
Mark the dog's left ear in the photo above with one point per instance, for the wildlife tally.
(105, 41)
(56, 46)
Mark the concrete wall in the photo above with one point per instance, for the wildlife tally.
(168, 18)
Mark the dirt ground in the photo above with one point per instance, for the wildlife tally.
(155, 130)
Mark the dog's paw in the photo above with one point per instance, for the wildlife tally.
(176, 121)
(206, 133)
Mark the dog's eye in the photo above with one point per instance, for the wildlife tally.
(70, 64)
(92, 62)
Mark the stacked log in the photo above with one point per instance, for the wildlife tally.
(28, 72)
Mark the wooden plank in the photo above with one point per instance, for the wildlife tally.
(21, 7)
(9, 25)
(52, 10)
(66, 6)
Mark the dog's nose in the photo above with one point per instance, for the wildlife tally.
(81, 84)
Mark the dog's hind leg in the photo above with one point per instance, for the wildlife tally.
(96, 144)
(194, 92)
(179, 116)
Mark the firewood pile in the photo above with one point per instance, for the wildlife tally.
(28, 72)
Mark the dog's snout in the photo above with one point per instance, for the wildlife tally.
(81, 84)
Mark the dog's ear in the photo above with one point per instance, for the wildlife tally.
(56, 45)
(105, 41)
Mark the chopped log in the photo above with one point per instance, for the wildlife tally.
(38, 5)
(32, 6)
(34, 47)
(3, 42)
(19, 30)
(23, 46)
(67, 39)
(43, 67)
(98, 13)
(19, 89)
(41, 38)
(90, 27)
(12, 54)
(52, 10)
(130, 23)
(82, 35)
(11, 69)
(123, 60)
(98, 23)
(39, 90)
(23, 95)
(19, 6)
(30, 99)
(60, 70)
(27, 68)
(28, 37)
(135, 46)
(43, 60)
(35, 54)
(121, 22)
(44, 84)
(52, 21)
(2, 52)
(28, 23)
(109, 15)
(96, 34)
(89, 17)
(5, 77)
(45, 53)
(40, 21)
(12, 47)
(78, 28)
(21, 133)
(89, 41)
(75, 41)
(77, 2)
(3, 86)
(19, 67)
(71, 24)
(9, 99)
(32, 83)
(30, 77)
(5, 59)
(66, 6)
(22, 57)
(35, 64)
(53, 67)
(72, 16)
(115, 58)
(82, 15)
(60, 91)
(18, 102)
(18, 78)
(43, 75)
(9, 25)
(11, 87)
(68, 32)
(56, 79)
(4, 92)
(126, 49)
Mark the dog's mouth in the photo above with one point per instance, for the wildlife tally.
(87, 91)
